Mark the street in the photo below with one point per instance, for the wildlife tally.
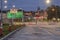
(39, 31)
(29, 19)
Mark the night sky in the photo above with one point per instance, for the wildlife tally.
(29, 5)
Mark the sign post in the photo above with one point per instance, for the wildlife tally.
(14, 14)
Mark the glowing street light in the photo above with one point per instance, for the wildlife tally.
(54, 18)
(5, 6)
(13, 6)
(58, 19)
(47, 1)
(5, 1)
(53, 9)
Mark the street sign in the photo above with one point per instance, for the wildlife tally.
(19, 14)
(15, 15)
(13, 10)
(10, 15)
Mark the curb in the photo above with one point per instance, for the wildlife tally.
(10, 34)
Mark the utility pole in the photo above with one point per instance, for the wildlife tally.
(1, 25)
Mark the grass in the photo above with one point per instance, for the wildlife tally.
(6, 28)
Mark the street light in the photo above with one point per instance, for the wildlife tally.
(1, 26)
(53, 9)
(5, 1)
(5, 7)
(47, 1)
(13, 11)
(13, 6)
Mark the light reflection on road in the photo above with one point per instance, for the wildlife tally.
(40, 31)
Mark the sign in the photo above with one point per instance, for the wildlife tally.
(13, 11)
(14, 14)
(19, 14)
(10, 15)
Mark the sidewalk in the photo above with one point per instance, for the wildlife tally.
(49, 24)
(44, 24)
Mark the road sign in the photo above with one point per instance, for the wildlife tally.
(10, 15)
(19, 14)
(15, 15)
(13, 10)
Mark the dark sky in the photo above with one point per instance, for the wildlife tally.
(30, 4)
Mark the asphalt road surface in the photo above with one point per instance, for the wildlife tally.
(39, 31)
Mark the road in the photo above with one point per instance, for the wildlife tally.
(39, 31)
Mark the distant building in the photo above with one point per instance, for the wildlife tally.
(4, 17)
(28, 15)
(41, 14)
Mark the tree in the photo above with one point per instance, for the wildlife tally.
(58, 11)
(53, 12)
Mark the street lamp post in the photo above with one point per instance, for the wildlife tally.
(1, 25)
(48, 2)
(14, 12)
(1, 28)
(11, 20)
